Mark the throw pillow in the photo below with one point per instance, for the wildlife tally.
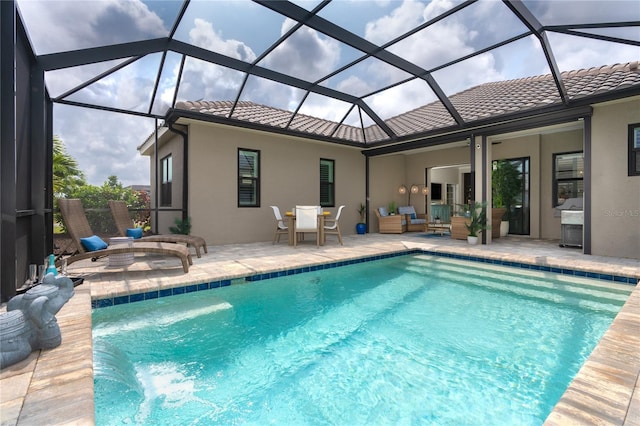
(413, 216)
(93, 243)
(134, 232)
(383, 211)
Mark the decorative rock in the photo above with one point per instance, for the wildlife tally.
(30, 323)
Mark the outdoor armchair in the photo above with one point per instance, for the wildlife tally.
(390, 223)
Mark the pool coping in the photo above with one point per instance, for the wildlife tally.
(137, 296)
(46, 390)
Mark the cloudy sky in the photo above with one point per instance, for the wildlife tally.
(104, 143)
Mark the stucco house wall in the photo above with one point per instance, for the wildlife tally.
(166, 215)
(386, 174)
(550, 144)
(615, 205)
(289, 175)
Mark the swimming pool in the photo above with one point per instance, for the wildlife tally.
(412, 339)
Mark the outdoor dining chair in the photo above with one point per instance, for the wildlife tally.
(306, 222)
(332, 227)
(281, 227)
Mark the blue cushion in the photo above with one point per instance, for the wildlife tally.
(413, 216)
(93, 243)
(134, 232)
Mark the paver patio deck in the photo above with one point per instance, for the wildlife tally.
(56, 386)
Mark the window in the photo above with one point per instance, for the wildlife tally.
(568, 171)
(166, 176)
(634, 149)
(327, 183)
(248, 178)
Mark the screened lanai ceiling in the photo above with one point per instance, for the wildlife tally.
(359, 72)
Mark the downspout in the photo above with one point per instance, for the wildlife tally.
(185, 168)
(472, 161)
(156, 197)
(586, 178)
(366, 192)
(484, 179)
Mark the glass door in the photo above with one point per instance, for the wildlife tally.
(520, 220)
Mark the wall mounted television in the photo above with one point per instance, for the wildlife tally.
(436, 191)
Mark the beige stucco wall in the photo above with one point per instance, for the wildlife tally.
(615, 206)
(554, 143)
(166, 218)
(387, 173)
(289, 175)
(525, 146)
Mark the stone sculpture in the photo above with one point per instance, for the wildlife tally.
(30, 323)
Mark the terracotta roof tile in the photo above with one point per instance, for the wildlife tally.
(480, 102)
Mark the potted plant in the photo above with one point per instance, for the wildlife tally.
(505, 186)
(361, 227)
(392, 207)
(477, 222)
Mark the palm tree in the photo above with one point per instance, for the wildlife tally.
(67, 176)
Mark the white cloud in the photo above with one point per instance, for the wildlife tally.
(305, 54)
(67, 25)
(203, 35)
(104, 143)
(407, 15)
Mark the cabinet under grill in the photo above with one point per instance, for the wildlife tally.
(571, 222)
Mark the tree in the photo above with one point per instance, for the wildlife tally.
(67, 176)
(95, 200)
(506, 182)
(69, 182)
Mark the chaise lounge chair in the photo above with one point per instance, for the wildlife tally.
(78, 227)
(123, 222)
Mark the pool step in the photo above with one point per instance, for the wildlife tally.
(596, 296)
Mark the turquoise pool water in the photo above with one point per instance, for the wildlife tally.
(407, 340)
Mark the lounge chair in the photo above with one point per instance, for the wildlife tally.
(78, 227)
(123, 222)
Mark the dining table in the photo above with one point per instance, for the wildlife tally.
(291, 224)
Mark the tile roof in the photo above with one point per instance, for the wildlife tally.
(486, 101)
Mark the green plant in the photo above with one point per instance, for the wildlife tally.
(505, 185)
(477, 219)
(362, 210)
(182, 226)
(392, 207)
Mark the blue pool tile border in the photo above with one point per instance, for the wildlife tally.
(155, 294)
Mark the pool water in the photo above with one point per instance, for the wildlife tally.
(409, 340)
